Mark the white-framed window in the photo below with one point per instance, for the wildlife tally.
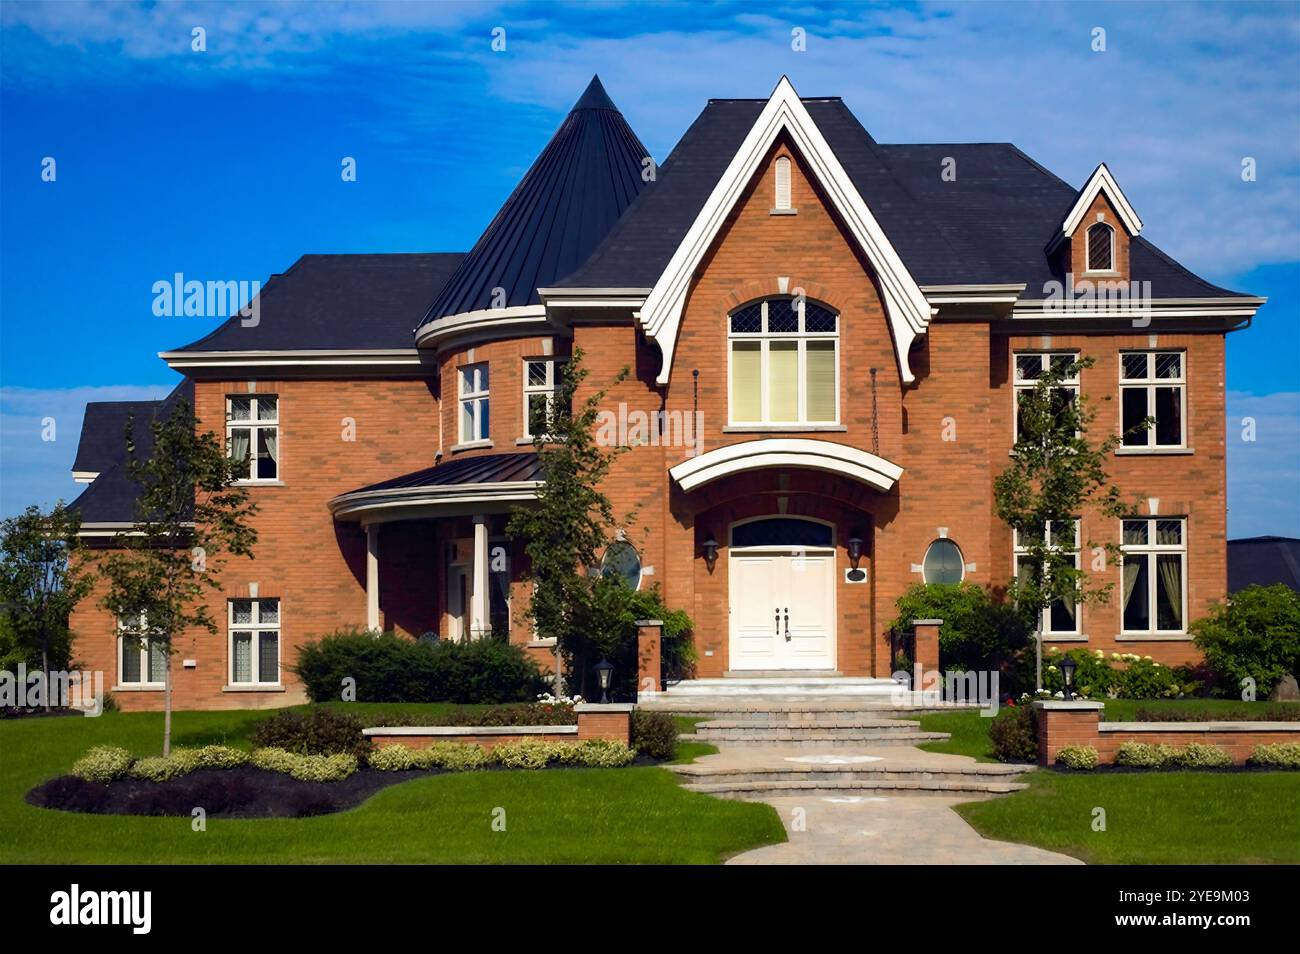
(1101, 248)
(1154, 575)
(782, 201)
(474, 422)
(1062, 617)
(783, 363)
(254, 642)
(253, 435)
(141, 661)
(541, 379)
(943, 562)
(1029, 366)
(1153, 384)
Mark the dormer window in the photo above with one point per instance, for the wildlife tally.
(1101, 248)
(782, 202)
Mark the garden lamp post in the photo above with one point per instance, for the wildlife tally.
(1067, 674)
(604, 672)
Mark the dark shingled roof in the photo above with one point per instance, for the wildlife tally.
(484, 469)
(1263, 561)
(111, 497)
(339, 302)
(989, 226)
(102, 429)
(567, 202)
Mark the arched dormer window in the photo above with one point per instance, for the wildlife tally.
(1101, 248)
(782, 201)
(783, 363)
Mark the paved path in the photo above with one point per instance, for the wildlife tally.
(886, 830)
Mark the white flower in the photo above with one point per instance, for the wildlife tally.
(1060, 695)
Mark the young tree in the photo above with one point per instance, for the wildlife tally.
(1056, 472)
(41, 581)
(190, 517)
(569, 526)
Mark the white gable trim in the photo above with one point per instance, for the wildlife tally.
(1100, 180)
(784, 452)
(909, 312)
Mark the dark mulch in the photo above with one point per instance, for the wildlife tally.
(243, 792)
(14, 712)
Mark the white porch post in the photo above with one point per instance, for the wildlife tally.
(478, 626)
(372, 576)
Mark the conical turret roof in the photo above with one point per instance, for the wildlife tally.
(563, 207)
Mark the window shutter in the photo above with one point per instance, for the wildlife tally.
(782, 183)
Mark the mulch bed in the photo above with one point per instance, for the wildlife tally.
(14, 712)
(244, 792)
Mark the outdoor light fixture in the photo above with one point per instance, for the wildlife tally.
(855, 550)
(604, 672)
(1067, 674)
(710, 552)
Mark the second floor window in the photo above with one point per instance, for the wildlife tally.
(541, 376)
(1029, 367)
(1153, 384)
(253, 435)
(784, 363)
(474, 403)
(1062, 617)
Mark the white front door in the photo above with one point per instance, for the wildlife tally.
(782, 611)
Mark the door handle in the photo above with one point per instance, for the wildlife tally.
(777, 611)
(787, 624)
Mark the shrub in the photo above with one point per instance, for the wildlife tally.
(318, 731)
(1145, 679)
(1118, 676)
(1254, 635)
(219, 757)
(391, 668)
(604, 753)
(1256, 712)
(1276, 755)
(103, 763)
(1146, 755)
(306, 768)
(1014, 734)
(162, 768)
(453, 756)
(978, 632)
(1201, 755)
(519, 713)
(654, 734)
(1082, 757)
(527, 754)
(392, 758)
(1093, 676)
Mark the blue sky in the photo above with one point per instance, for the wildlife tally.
(225, 163)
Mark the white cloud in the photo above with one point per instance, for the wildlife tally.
(38, 471)
(1264, 473)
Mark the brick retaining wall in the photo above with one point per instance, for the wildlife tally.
(612, 722)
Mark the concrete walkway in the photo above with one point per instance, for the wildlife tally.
(886, 830)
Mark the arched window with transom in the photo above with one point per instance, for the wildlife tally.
(783, 365)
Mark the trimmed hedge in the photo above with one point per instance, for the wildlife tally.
(305, 768)
(1276, 755)
(314, 732)
(654, 734)
(103, 763)
(1014, 734)
(1192, 755)
(1081, 757)
(526, 754)
(385, 667)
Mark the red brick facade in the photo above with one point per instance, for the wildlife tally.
(950, 431)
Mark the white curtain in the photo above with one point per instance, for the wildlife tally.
(1131, 569)
(1170, 571)
(239, 445)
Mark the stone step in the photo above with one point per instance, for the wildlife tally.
(993, 772)
(973, 789)
(787, 685)
(813, 721)
(806, 739)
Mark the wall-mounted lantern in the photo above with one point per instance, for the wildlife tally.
(710, 552)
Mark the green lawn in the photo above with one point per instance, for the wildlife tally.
(1151, 817)
(633, 815)
(1190, 818)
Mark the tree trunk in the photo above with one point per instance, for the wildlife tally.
(45, 670)
(167, 704)
(1038, 654)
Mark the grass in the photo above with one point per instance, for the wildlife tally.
(1126, 710)
(560, 816)
(1151, 817)
(1154, 818)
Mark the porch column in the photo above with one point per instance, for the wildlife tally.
(478, 615)
(372, 576)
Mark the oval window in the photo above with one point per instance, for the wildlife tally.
(622, 560)
(943, 563)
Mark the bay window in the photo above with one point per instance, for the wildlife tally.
(784, 363)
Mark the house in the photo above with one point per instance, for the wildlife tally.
(827, 334)
(1263, 561)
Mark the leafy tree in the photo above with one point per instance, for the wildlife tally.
(1254, 635)
(190, 518)
(41, 581)
(979, 631)
(568, 527)
(1056, 472)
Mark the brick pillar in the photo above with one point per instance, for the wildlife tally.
(649, 672)
(612, 721)
(927, 645)
(1062, 723)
